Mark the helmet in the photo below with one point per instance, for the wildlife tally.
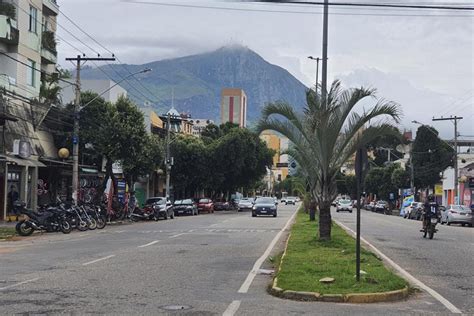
(431, 198)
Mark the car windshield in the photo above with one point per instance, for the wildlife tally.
(204, 201)
(178, 202)
(187, 201)
(382, 202)
(344, 201)
(155, 200)
(265, 200)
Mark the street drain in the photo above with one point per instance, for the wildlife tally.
(175, 307)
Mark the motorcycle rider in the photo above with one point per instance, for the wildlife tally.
(431, 208)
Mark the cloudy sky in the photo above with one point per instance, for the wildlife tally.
(423, 59)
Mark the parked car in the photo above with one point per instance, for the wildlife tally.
(370, 206)
(414, 210)
(382, 207)
(457, 214)
(290, 200)
(186, 206)
(264, 206)
(221, 205)
(297, 199)
(334, 203)
(161, 206)
(344, 205)
(205, 205)
(245, 204)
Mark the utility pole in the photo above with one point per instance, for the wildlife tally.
(455, 119)
(412, 174)
(168, 162)
(75, 138)
(324, 78)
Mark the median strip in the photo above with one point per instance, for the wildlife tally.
(309, 263)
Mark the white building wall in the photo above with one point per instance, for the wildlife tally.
(97, 86)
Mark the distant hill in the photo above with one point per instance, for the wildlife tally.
(198, 79)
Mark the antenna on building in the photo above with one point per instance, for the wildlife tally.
(172, 97)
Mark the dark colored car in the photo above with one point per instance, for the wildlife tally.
(205, 205)
(221, 205)
(186, 206)
(161, 206)
(264, 206)
(382, 207)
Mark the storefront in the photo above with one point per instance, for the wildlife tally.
(19, 178)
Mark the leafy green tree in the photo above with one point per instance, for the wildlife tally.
(383, 143)
(431, 156)
(326, 135)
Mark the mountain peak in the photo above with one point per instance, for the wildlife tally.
(197, 81)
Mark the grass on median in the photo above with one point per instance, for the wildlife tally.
(308, 260)
(7, 232)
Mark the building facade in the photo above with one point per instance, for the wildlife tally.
(279, 170)
(199, 125)
(27, 57)
(234, 106)
(68, 92)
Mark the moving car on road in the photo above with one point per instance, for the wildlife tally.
(344, 205)
(245, 204)
(186, 206)
(457, 214)
(205, 205)
(264, 206)
(290, 200)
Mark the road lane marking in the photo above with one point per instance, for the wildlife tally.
(405, 274)
(248, 281)
(18, 284)
(177, 235)
(97, 260)
(149, 244)
(232, 308)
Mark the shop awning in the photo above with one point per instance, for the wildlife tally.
(28, 162)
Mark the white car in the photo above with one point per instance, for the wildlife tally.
(245, 204)
(290, 200)
(344, 205)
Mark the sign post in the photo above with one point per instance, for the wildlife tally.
(360, 169)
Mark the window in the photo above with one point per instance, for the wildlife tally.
(33, 19)
(30, 73)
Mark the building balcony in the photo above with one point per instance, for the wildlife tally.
(51, 7)
(48, 57)
(9, 34)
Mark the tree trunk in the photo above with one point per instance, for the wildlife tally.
(312, 210)
(325, 221)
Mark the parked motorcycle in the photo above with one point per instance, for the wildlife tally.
(143, 213)
(49, 219)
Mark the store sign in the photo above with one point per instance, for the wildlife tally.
(439, 190)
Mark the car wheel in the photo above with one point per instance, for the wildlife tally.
(275, 214)
(463, 224)
(447, 222)
(350, 211)
(470, 225)
(337, 211)
(254, 215)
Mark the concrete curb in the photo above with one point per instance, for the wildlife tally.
(389, 296)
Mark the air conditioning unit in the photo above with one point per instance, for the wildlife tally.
(21, 148)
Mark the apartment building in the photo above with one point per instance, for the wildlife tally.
(234, 106)
(27, 55)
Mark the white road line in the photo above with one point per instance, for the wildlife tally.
(177, 235)
(149, 244)
(405, 274)
(18, 284)
(248, 281)
(232, 308)
(214, 225)
(97, 260)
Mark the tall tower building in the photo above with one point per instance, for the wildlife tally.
(234, 106)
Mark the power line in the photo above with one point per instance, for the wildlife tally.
(375, 5)
(154, 96)
(287, 12)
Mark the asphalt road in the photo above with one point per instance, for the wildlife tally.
(445, 264)
(201, 263)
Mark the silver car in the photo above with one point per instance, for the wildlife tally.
(457, 214)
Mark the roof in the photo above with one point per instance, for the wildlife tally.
(173, 112)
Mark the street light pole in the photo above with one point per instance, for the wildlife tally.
(317, 70)
(325, 54)
(168, 162)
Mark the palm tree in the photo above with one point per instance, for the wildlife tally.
(326, 135)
